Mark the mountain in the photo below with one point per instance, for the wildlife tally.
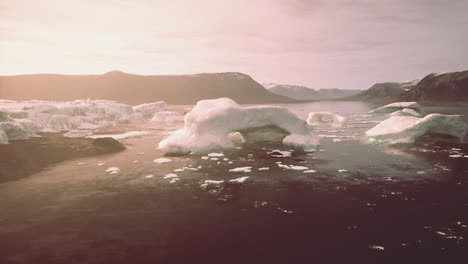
(137, 89)
(442, 88)
(304, 93)
(383, 92)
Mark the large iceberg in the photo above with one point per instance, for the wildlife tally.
(21, 120)
(326, 118)
(167, 117)
(406, 129)
(211, 124)
(401, 108)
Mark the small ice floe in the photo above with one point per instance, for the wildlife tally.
(291, 167)
(225, 159)
(187, 168)
(241, 169)
(285, 211)
(264, 168)
(162, 160)
(309, 171)
(205, 158)
(377, 247)
(214, 158)
(341, 170)
(101, 163)
(208, 183)
(214, 154)
(279, 153)
(140, 153)
(170, 176)
(112, 170)
(230, 162)
(239, 180)
(421, 172)
(174, 180)
(81, 163)
(136, 161)
(456, 156)
(149, 176)
(456, 149)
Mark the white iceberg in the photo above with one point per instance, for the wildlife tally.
(401, 108)
(210, 123)
(406, 129)
(167, 117)
(149, 109)
(326, 118)
(80, 117)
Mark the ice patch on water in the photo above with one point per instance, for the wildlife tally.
(241, 169)
(162, 160)
(239, 180)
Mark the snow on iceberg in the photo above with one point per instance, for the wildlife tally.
(406, 129)
(209, 126)
(326, 118)
(149, 109)
(395, 107)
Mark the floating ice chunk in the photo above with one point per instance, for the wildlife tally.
(81, 163)
(309, 171)
(341, 170)
(394, 107)
(101, 163)
(406, 129)
(264, 168)
(112, 170)
(239, 180)
(124, 135)
(167, 117)
(279, 153)
(140, 153)
(149, 109)
(291, 167)
(136, 161)
(214, 158)
(377, 247)
(205, 158)
(174, 180)
(162, 160)
(149, 176)
(170, 176)
(241, 169)
(208, 183)
(456, 156)
(214, 154)
(209, 124)
(326, 118)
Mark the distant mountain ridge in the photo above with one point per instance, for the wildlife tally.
(305, 93)
(434, 89)
(136, 89)
(386, 92)
(440, 88)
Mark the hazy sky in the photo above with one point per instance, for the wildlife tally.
(318, 43)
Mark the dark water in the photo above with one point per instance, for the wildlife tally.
(411, 202)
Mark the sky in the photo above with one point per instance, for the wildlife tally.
(317, 43)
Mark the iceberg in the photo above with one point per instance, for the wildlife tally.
(211, 123)
(326, 118)
(405, 107)
(167, 117)
(149, 109)
(21, 120)
(406, 129)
